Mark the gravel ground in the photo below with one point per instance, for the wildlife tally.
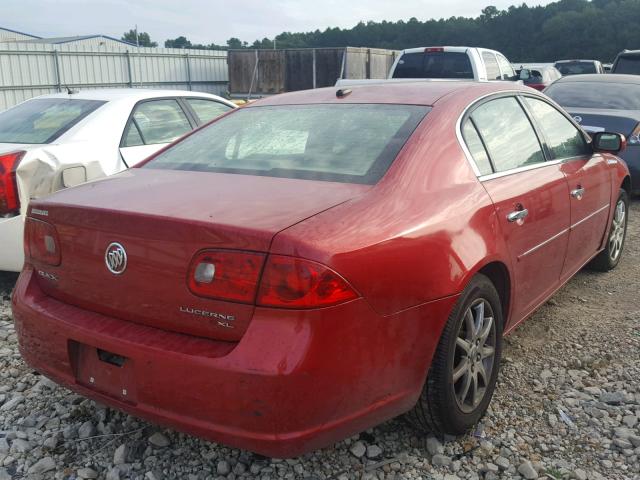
(567, 406)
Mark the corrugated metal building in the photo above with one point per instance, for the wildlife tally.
(8, 35)
(83, 40)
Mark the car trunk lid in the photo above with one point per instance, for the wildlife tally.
(162, 219)
(596, 120)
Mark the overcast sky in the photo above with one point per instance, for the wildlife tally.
(207, 21)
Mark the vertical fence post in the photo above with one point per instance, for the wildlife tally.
(186, 58)
(314, 68)
(56, 63)
(368, 63)
(129, 69)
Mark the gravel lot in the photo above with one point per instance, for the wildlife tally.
(567, 406)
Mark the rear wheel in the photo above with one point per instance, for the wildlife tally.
(465, 366)
(609, 258)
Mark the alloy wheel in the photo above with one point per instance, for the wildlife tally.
(474, 355)
(618, 229)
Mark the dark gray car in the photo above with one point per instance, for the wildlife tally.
(605, 103)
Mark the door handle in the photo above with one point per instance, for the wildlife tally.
(516, 215)
(578, 193)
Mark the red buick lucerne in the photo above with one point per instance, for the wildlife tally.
(318, 262)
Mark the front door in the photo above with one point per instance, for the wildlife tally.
(530, 196)
(588, 179)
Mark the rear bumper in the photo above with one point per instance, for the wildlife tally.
(296, 381)
(11, 250)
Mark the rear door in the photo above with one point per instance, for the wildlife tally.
(152, 125)
(529, 193)
(588, 178)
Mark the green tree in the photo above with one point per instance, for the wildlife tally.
(236, 43)
(180, 42)
(144, 40)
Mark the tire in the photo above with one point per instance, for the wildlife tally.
(609, 258)
(439, 409)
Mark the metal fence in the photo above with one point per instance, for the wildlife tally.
(29, 70)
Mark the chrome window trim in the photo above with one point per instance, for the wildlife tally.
(513, 171)
(526, 168)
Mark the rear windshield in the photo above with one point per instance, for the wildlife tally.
(354, 143)
(576, 68)
(615, 96)
(628, 64)
(43, 120)
(434, 65)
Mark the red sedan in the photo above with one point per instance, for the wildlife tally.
(318, 262)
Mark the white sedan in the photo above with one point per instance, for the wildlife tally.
(57, 141)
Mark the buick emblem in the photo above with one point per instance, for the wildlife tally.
(578, 118)
(116, 258)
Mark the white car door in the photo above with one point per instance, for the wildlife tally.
(152, 125)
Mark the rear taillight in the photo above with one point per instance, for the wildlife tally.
(537, 86)
(9, 199)
(225, 275)
(287, 282)
(634, 138)
(41, 242)
(433, 49)
(295, 283)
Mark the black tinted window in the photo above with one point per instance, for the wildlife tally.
(562, 137)
(508, 134)
(477, 150)
(434, 65)
(491, 64)
(340, 143)
(576, 68)
(43, 120)
(604, 95)
(628, 64)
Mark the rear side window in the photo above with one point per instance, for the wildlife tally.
(43, 120)
(507, 70)
(476, 148)
(491, 65)
(508, 134)
(353, 143)
(434, 65)
(156, 121)
(207, 110)
(563, 138)
(629, 64)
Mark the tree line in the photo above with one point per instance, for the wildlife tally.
(595, 29)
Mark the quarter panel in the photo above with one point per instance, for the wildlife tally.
(416, 236)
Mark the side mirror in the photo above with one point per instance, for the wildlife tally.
(608, 142)
(525, 74)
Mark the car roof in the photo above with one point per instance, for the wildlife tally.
(576, 60)
(448, 48)
(111, 94)
(600, 78)
(421, 92)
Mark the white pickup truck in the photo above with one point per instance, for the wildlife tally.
(458, 63)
